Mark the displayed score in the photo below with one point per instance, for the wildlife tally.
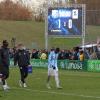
(65, 21)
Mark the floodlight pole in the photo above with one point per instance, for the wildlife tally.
(83, 24)
(46, 34)
(46, 24)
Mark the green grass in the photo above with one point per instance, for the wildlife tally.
(32, 34)
(76, 86)
(28, 32)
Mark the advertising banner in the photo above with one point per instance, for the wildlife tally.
(93, 65)
(62, 64)
(87, 65)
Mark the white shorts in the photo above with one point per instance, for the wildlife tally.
(52, 72)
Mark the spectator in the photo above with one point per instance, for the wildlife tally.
(35, 54)
(93, 55)
(43, 55)
(67, 54)
(76, 53)
(61, 55)
(81, 56)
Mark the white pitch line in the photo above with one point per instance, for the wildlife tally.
(59, 93)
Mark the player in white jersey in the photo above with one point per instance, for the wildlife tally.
(52, 67)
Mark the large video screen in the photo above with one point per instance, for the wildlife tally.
(65, 21)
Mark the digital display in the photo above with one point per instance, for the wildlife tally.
(65, 21)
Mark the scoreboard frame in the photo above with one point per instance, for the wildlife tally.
(55, 33)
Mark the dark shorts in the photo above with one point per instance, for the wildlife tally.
(24, 69)
(4, 70)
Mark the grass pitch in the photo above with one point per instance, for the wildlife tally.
(32, 35)
(76, 86)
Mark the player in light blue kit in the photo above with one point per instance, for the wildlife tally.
(52, 67)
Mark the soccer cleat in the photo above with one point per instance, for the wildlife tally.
(48, 86)
(24, 85)
(20, 83)
(6, 87)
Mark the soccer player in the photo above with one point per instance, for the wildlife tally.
(4, 64)
(22, 57)
(0, 71)
(52, 67)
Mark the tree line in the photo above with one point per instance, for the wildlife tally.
(10, 10)
(14, 11)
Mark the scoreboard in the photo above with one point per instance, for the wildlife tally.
(65, 21)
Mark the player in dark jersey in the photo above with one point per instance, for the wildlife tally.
(4, 64)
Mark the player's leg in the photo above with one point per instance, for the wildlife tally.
(57, 79)
(48, 84)
(25, 72)
(25, 76)
(5, 75)
(4, 83)
(0, 78)
(22, 77)
(48, 78)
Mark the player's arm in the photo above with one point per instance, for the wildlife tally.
(15, 58)
(28, 57)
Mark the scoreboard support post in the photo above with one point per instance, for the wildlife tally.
(83, 25)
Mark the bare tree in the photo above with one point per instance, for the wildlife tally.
(14, 11)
